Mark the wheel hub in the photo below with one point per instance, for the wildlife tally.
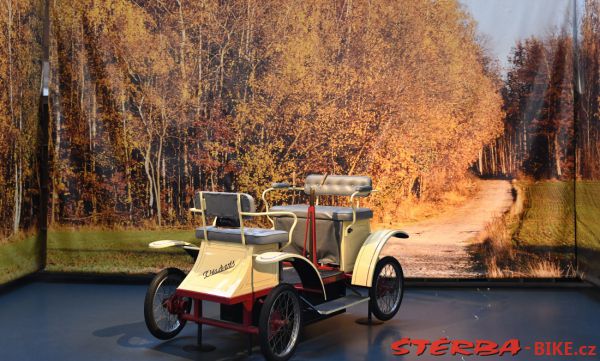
(175, 305)
(276, 323)
(384, 287)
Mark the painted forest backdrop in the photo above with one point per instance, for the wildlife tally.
(20, 74)
(153, 100)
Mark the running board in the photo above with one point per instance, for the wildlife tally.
(339, 304)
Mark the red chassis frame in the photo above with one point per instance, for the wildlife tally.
(246, 300)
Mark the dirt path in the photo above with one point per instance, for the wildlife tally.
(437, 247)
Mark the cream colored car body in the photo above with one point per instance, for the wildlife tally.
(367, 258)
(353, 238)
(228, 270)
(270, 258)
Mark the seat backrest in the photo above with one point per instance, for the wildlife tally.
(335, 185)
(224, 204)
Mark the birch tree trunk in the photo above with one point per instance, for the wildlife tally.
(157, 176)
(127, 157)
(182, 52)
(557, 155)
(147, 166)
(56, 155)
(17, 159)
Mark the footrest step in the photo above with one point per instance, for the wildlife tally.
(338, 304)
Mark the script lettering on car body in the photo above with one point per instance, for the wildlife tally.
(221, 268)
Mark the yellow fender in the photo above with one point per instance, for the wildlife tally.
(309, 275)
(367, 258)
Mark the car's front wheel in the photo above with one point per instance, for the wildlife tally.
(162, 307)
(387, 288)
(279, 323)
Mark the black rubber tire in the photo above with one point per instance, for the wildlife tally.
(385, 315)
(282, 290)
(175, 276)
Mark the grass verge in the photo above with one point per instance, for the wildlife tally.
(18, 257)
(535, 238)
(115, 251)
(588, 226)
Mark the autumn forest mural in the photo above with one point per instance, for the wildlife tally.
(488, 162)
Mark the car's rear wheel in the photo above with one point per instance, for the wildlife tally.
(162, 307)
(279, 323)
(387, 288)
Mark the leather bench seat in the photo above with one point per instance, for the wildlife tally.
(252, 235)
(325, 212)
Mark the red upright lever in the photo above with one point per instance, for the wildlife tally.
(313, 226)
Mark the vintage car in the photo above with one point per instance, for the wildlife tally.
(271, 282)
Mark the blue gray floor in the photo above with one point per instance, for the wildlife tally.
(53, 321)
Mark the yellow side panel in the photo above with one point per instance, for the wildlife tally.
(228, 270)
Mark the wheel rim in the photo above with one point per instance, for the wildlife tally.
(164, 319)
(284, 324)
(387, 289)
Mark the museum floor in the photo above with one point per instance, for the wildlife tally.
(69, 321)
